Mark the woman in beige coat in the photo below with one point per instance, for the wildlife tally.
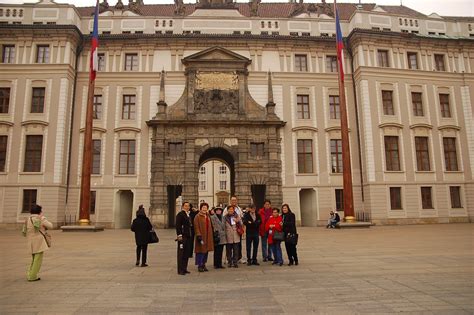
(34, 228)
(232, 224)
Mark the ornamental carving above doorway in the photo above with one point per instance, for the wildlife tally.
(215, 117)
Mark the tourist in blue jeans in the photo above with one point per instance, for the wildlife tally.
(273, 225)
(252, 223)
(265, 215)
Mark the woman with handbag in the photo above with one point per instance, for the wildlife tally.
(233, 231)
(275, 235)
(291, 236)
(141, 225)
(218, 225)
(39, 240)
(204, 236)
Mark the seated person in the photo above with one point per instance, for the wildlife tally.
(333, 220)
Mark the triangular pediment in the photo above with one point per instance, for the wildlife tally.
(216, 54)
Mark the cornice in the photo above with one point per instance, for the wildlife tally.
(445, 127)
(313, 129)
(391, 125)
(119, 129)
(98, 129)
(427, 126)
(34, 122)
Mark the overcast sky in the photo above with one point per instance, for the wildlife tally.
(442, 7)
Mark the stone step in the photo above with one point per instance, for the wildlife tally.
(356, 224)
(82, 228)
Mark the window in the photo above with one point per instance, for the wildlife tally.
(412, 60)
(42, 54)
(97, 107)
(339, 199)
(444, 105)
(37, 100)
(334, 110)
(301, 63)
(382, 58)
(175, 149)
(93, 199)
(128, 107)
(392, 157)
(131, 62)
(8, 53)
(257, 149)
(422, 154)
(417, 103)
(223, 185)
(101, 62)
(395, 198)
(426, 198)
(4, 100)
(202, 185)
(450, 154)
(302, 105)
(33, 153)
(305, 156)
(96, 148)
(29, 199)
(439, 62)
(336, 155)
(387, 100)
(127, 157)
(222, 169)
(455, 193)
(202, 170)
(331, 63)
(3, 152)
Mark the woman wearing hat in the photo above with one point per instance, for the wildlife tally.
(141, 225)
(218, 225)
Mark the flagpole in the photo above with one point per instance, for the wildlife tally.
(346, 151)
(85, 200)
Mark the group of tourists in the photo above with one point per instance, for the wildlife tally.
(213, 229)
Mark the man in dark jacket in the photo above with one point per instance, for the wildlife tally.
(142, 227)
(252, 221)
(333, 220)
(184, 238)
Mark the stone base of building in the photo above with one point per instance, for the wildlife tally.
(406, 221)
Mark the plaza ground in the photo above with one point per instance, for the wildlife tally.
(418, 269)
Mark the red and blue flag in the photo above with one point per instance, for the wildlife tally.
(94, 64)
(340, 44)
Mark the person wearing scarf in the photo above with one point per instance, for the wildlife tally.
(218, 225)
(204, 237)
(232, 222)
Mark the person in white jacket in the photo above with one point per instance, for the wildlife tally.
(35, 231)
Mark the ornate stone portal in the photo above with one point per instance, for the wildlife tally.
(215, 118)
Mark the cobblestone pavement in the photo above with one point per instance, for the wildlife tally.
(423, 269)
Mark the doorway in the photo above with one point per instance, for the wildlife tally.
(124, 209)
(173, 191)
(258, 195)
(308, 207)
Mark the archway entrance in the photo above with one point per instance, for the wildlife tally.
(123, 209)
(308, 207)
(216, 175)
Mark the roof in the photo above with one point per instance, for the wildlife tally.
(265, 10)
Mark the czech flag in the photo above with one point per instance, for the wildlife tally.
(339, 44)
(94, 64)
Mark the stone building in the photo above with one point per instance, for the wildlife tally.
(252, 85)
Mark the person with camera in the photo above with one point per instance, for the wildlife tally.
(233, 231)
(204, 237)
(218, 225)
(252, 221)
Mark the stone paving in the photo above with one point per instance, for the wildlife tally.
(423, 269)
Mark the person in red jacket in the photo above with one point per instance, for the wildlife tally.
(273, 225)
(265, 214)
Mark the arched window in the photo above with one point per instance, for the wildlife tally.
(222, 169)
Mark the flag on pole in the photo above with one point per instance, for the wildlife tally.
(94, 64)
(340, 44)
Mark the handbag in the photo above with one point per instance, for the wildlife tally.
(46, 235)
(240, 229)
(292, 238)
(278, 236)
(153, 237)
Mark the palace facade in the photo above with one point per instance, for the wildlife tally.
(250, 86)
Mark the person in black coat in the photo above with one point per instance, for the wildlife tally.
(184, 238)
(291, 236)
(252, 221)
(142, 227)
